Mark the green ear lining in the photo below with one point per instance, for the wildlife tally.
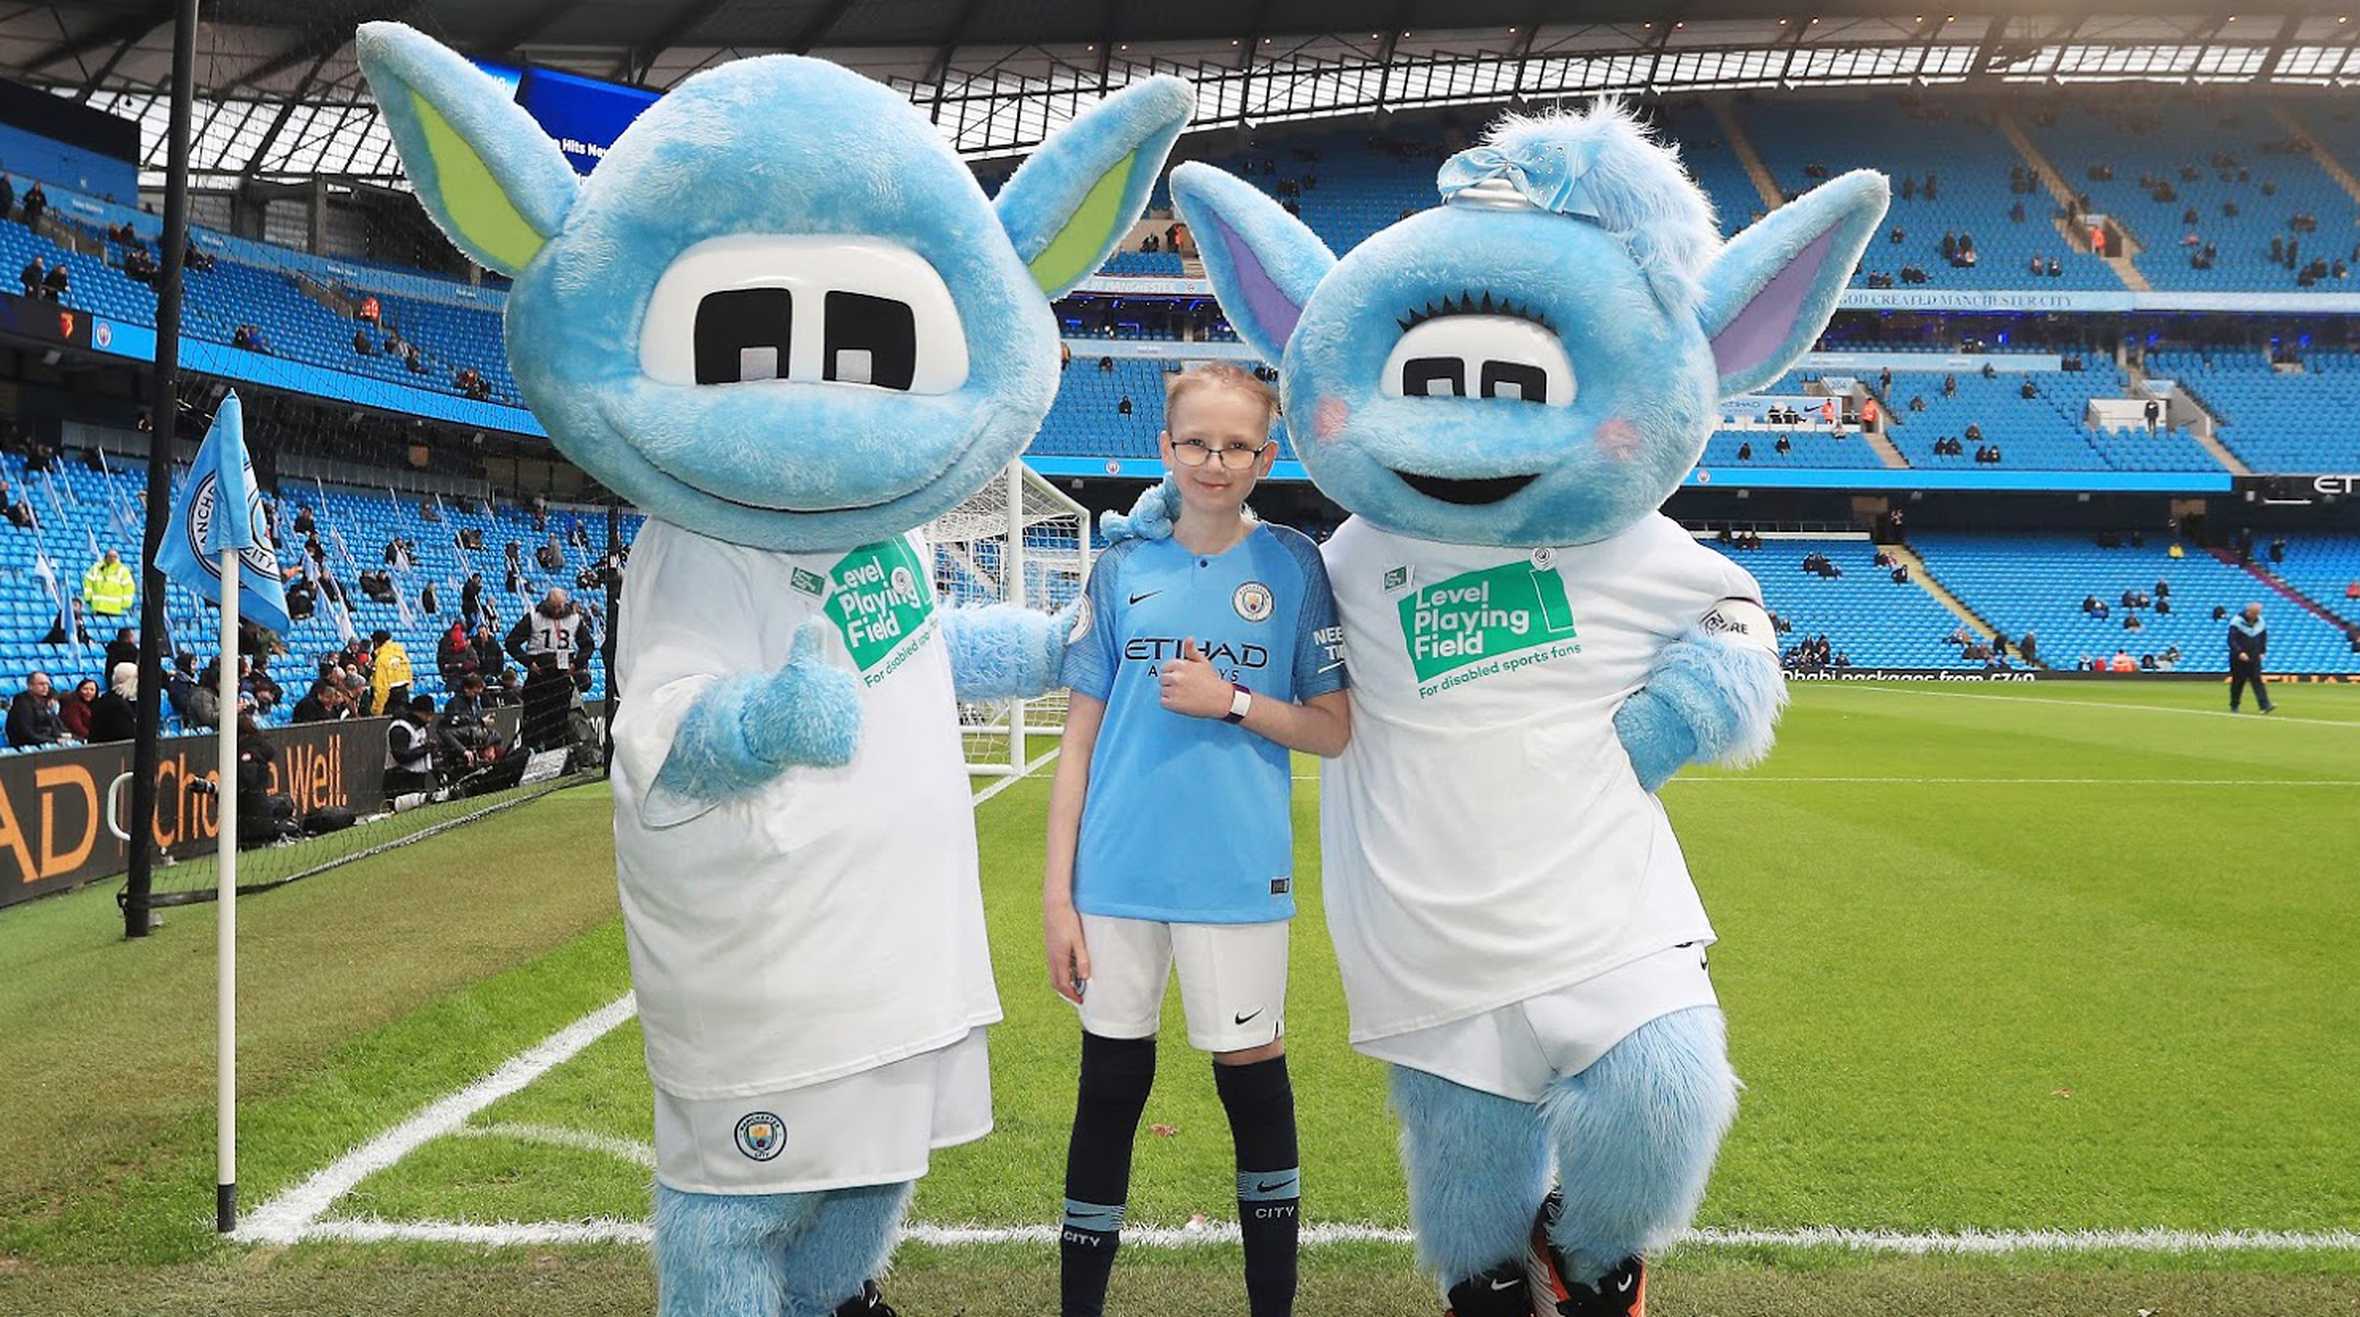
(1073, 254)
(473, 202)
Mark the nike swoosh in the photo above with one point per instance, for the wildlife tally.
(1508, 1284)
(1329, 668)
(1149, 595)
(1244, 1018)
(1267, 1185)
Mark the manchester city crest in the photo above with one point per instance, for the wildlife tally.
(1252, 601)
(761, 1135)
(260, 556)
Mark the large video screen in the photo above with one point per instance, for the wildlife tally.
(584, 115)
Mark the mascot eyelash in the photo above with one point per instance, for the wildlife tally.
(783, 320)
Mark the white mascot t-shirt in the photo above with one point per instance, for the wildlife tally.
(829, 921)
(1484, 837)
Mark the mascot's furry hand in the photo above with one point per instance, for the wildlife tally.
(1150, 518)
(1708, 699)
(1008, 651)
(747, 729)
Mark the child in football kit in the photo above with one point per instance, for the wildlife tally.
(1197, 664)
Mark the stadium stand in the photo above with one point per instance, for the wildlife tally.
(2324, 569)
(2178, 172)
(2038, 582)
(1867, 616)
(2043, 433)
(2271, 417)
(1979, 184)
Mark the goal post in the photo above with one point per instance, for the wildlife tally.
(1016, 540)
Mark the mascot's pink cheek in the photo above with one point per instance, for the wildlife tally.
(1329, 417)
(1619, 439)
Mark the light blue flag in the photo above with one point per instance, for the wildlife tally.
(220, 508)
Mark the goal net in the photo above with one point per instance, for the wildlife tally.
(1017, 540)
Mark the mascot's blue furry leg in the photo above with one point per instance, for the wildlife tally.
(1636, 1135)
(770, 1255)
(1478, 1167)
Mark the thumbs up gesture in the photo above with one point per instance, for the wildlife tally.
(1191, 686)
(807, 712)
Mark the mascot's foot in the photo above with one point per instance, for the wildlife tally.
(1621, 1292)
(1503, 1291)
(867, 1303)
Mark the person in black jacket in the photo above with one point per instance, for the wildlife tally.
(114, 716)
(2249, 640)
(33, 719)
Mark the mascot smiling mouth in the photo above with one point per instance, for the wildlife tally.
(1466, 492)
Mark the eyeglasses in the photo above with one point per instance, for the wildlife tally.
(1196, 452)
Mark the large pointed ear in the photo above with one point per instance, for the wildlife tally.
(487, 173)
(1263, 262)
(1771, 290)
(1068, 205)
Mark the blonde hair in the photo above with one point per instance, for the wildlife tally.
(1219, 375)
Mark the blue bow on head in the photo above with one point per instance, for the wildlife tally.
(1551, 175)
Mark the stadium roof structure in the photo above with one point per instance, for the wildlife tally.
(280, 98)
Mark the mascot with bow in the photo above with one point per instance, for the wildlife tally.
(783, 320)
(1502, 390)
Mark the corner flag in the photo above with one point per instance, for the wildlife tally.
(219, 508)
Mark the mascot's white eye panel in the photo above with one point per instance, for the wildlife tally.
(817, 309)
(1479, 356)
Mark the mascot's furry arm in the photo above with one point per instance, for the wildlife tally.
(1710, 699)
(1006, 651)
(746, 729)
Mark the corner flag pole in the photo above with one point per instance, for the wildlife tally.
(225, 1117)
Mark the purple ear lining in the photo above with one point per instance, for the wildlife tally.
(1760, 331)
(1272, 310)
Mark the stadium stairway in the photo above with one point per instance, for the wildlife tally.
(2134, 375)
(2063, 193)
(1925, 580)
(2319, 152)
(1743, 147)
(2279, 585)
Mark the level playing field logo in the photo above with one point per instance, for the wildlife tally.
(1482, 615)
(761, 1135)
(880, 599)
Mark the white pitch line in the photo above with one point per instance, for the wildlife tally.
(2093, 704)
(610, 1230)
(295, 1214)
(630, 1150)
(284, 1219)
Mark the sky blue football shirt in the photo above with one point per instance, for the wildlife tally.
(1189, 820)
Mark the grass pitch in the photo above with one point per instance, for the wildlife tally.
(2043, 959)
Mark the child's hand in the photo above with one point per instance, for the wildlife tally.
(1069, 957)
(1191, 686)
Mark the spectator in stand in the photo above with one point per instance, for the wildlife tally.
(551, 557)
(471, 599)
(412, 359)
(114, 716)
(180, 687)
(57, 283)
(389, 672)
(326, 702)
(2028, 649)
(427, 600)
(454, 656)
(33, 719)
(7, 196)
(2249, 641)
(124, 648)
(2123, 662)
(360, 344)
(30, 277)
(488, 655)
(1123, 408)
(36, 201)
(2278, 549)
(75, 713)
(108, 586)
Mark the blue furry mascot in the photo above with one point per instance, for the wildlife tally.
(1502, 390)
(782, 318)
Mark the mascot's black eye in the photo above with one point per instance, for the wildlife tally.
(1435, 377)
(742, 334)
(870, 340)
(1515, 379)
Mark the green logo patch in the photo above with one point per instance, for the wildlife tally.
(1483, 615)
(809, 582)
(880, 597)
